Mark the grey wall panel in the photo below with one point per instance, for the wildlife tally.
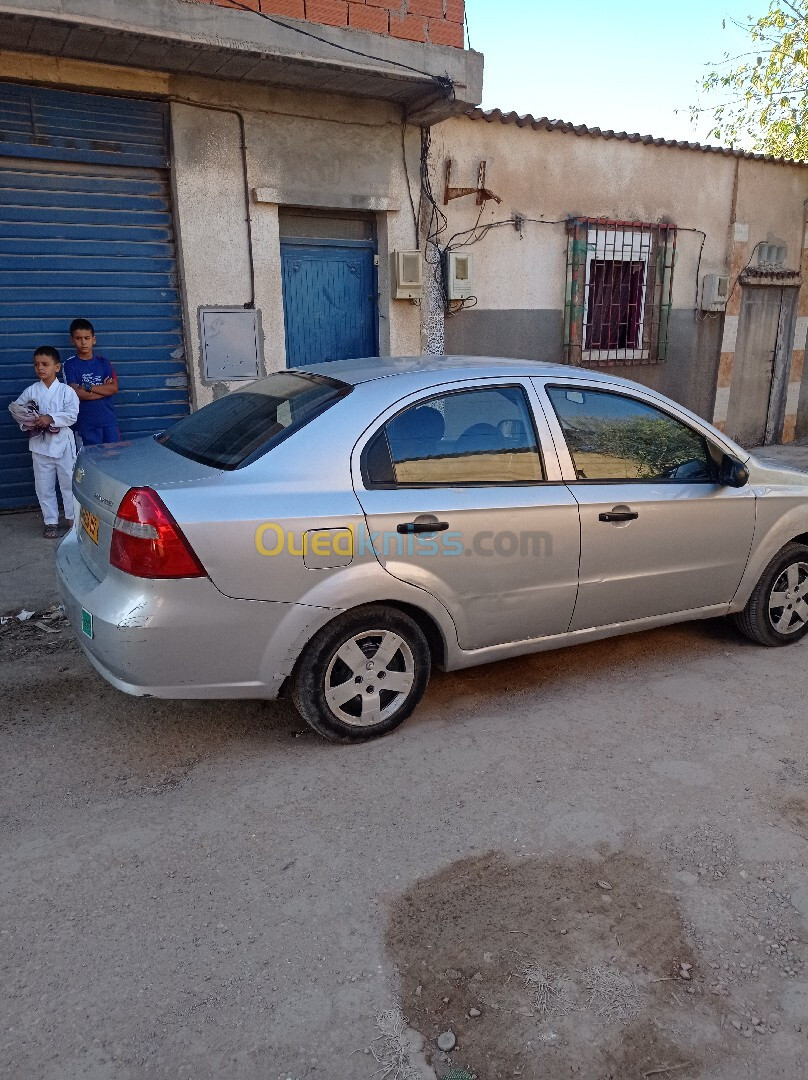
(688, 376)
(690, 372)
(523, 335)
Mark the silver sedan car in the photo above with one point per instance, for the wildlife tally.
(334, 533)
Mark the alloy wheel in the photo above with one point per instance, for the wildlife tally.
(369, 677)
(788, 600)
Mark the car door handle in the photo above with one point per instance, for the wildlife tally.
(422, 526)
(619, 515)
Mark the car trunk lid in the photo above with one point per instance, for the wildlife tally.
(102, 477)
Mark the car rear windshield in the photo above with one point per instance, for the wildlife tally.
(243, 426)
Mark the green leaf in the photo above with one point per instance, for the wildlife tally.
(768, 96)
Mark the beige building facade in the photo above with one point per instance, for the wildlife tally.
(224, 193)
(220, 191)
(601, 249)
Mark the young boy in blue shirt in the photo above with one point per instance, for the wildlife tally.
(94, 380)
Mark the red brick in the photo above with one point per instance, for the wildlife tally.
(292, 9)
(411, 27)
(455, 10)
(432, 8)
(330, 12)
(446, 33)
(390, 5)
(362, 17)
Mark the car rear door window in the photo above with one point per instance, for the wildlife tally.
(246, 424)
(612, 437)
(481, 436)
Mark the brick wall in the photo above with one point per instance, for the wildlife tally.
(439, 22)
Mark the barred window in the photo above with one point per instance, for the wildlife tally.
(618, 292)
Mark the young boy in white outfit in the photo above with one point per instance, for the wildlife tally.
(46, 411)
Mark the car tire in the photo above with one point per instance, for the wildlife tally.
(765, 619)
(342, 657)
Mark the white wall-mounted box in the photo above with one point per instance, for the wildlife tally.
(459, 275)
(408, 276)
(714, 292)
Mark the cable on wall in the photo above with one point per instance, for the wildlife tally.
(409, 185)
(443, 81)
(250, 305)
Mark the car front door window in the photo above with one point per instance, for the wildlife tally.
(611, 438)
(659, 533)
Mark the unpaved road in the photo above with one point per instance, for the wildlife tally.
(201, 890)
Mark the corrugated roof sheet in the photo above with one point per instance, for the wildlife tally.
(544, 123)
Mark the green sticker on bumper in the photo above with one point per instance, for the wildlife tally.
(86, 623)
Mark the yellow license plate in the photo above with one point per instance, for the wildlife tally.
(89, 522)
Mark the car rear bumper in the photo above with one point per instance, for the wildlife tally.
(181, 638)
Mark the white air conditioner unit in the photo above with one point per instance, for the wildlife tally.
(459, 278)
(408, 280)
(714, 292)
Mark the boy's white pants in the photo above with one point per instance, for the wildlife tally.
(47, 472)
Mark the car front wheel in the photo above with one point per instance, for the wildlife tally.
(777, 610)
(362, 674)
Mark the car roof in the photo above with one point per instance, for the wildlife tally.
(420, 371)
(370, 368)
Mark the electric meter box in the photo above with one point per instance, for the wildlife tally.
(459, 276)
(714, 292)
(408, 280)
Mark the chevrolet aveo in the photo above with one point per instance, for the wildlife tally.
(335, 533)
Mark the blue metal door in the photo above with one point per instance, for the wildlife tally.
(86, 231)
(329, 300)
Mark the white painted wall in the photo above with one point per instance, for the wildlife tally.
(556, 175)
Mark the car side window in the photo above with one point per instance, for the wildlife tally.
(614, 437)
(483, 436)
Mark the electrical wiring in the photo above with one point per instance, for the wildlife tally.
(703, 235)
(407, 179)
(437, 222)
(245, 180)
(473, 236)
(469, 237)
(485, 229)
(740, 272)
(443, 81)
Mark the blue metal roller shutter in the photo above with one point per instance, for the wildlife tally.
(86, 230)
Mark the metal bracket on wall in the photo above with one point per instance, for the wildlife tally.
(481, 191)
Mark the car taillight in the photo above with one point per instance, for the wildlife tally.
(147, 542)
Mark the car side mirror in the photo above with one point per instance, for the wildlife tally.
(733, 473)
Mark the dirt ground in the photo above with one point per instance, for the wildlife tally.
(588, 863)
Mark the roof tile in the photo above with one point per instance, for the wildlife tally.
(544, 123)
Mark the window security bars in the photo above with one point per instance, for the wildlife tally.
(618, 292)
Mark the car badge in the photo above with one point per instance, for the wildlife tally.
(79, 475)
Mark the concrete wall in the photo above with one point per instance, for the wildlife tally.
(768, 207)
(328, 151)
(302, 149)
(550, 176)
